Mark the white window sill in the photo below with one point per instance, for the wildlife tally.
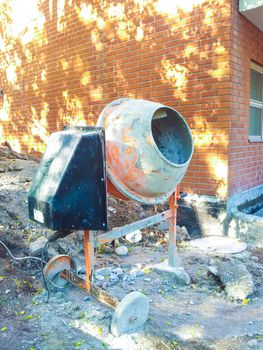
(255, 139)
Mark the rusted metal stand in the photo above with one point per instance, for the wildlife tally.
(126, 316)
(172, 249)
(91, 241)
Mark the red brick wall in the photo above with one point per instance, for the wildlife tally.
(77, 56)
(245, 158)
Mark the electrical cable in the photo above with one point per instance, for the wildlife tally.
(19, 258)
(42, 260)
(42, 269)
(56, 235)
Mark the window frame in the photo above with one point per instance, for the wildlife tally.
(257, 104)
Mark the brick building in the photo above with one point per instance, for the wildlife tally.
(62, 61)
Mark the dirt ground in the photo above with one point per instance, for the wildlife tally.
(198, 316)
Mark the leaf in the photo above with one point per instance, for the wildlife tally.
(146, 270)
(78, 343)
(246, 301)
(31, 348)
(28, 317)
(100, 330)
(22, 312)
(3, 329)
(2, 278)
(174, 344)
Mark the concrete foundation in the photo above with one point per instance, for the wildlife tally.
(240, 216)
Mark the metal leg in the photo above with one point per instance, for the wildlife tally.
(89, 256)
(172, 250)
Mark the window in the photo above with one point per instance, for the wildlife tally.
(256, 103)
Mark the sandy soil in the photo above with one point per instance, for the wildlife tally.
(198, 316)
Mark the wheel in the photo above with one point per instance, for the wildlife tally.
(130, 314)
(53, 268)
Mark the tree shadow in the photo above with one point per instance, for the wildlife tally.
(63, 61)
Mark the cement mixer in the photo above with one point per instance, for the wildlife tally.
(148, 146)
(148, 149)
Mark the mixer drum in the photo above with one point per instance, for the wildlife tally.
(148, 148)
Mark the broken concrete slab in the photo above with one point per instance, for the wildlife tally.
(36, 247)
(177, 274)
(236, 279)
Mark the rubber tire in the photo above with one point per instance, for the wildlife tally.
(130, 314)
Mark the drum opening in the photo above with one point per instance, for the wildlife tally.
(172, 136)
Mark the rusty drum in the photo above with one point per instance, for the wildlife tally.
(148, 148)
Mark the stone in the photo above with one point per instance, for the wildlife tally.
(114, 278)
(235, 277)
(104, 271)
(118, 271)
(105, 284)
(126, 266)
(134, 237)
(140, 273)
(112, 210)
(52, 252)
(147, 279)
(36, 247)
(99, 277)
(182, 234)
(176, 274)
(252, 344)
(254, 258)
(213, 270)
(121, 251)
(133, 274)
(243, 255)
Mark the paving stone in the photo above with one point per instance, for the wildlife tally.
(36, 247)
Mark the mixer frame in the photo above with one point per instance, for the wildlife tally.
(93, 239)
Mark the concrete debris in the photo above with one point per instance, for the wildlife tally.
(235, 277)
(213, 270)
(134, 237)
(253, 344)
(163, 225)
(147, 279)
(105, 271)
(99, 277)
(121, 251)
(182, 234)
(36, 247)
(112, 210)
(254, 258)
(115, 275)
(177, 274)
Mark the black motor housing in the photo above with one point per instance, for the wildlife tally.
(69, 190)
